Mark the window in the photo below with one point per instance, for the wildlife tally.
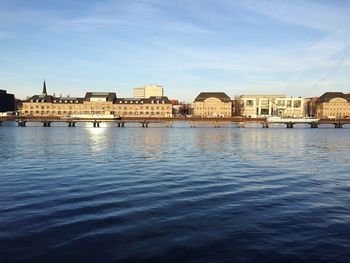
(249, 103)
(297, 103)
(281, 103)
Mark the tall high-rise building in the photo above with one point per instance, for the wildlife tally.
(148, 91)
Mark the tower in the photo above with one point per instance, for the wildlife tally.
(44, 89)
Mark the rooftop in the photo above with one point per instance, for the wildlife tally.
(219, 95)
(326, 97)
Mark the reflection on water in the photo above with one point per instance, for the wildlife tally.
(97, 139)
(174, 195)
(213, 140)
(150, 144)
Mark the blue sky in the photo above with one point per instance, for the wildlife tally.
(298, 48)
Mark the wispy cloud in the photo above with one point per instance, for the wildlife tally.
(129, 15)
(311, 14)
(245, 45)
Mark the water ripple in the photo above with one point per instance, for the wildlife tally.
(174, 195)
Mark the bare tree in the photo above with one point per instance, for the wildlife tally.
(237, 106)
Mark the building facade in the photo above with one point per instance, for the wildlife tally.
(95, 103)
(148, 91)
(289, 107)
(212, 104)
(254, 106)
(333, 105)
(7, 101)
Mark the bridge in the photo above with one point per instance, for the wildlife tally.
(145, 122)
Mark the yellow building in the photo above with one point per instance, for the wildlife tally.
(212, 104)
(95, 103)
(333, 105)
(151, 107)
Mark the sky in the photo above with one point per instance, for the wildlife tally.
(297, 48)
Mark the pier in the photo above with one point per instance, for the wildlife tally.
(169, 122)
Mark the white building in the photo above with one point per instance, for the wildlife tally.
(262, 105)
(148, 91)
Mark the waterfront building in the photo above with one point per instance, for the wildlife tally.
(95, 103)
(7, 101)
(289, 107)
(212, 104)
(261, 105)
(150, 107)
(148, 91)
(333, 105)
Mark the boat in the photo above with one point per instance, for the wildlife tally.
(92, 116)
(277, 119)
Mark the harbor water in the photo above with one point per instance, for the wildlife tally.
(174, 194)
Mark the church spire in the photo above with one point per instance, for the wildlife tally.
(44, 89)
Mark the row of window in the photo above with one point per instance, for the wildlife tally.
(96, 112)
(121, 101)
(212, 108)
(97, 108)
(336, 108)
